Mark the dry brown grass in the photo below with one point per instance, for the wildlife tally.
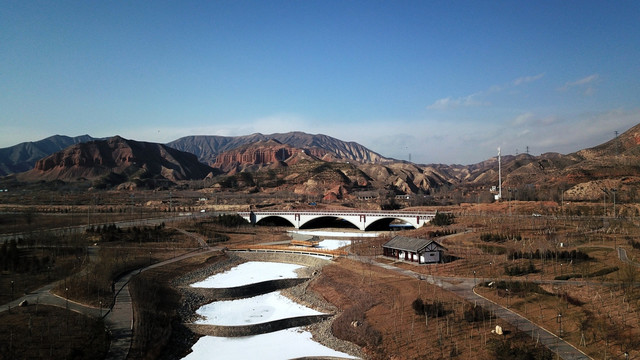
(605, 316)
(387, 326)
(47, 332)
(156, 305)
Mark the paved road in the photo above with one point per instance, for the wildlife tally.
(118, 319)
(464, 287)
(45, 297)
(622, 254)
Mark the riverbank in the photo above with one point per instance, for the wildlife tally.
(194, 298)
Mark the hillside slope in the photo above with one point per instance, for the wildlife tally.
(22, 157)
(117, 160)
(207, 148)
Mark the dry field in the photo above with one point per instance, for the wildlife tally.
(600, 313)
(47, 332)
(377, 314)
(599, 301)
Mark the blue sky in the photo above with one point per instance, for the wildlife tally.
(445, 81)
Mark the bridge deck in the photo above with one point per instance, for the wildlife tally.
(288, 249)
(341, 212)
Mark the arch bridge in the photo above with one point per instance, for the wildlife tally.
(359, 218)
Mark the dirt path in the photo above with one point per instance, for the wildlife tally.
(622, 254)
(202, 241)
(118, 319)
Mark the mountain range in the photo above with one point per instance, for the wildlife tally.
(22, 157)
(321, 165)
(207, 148)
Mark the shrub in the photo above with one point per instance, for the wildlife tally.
(575, 255)
(499, 238)
(476, 313)
(506, 350)
(519, 287)
(433, 310)
(492, 249)
(516, 270)
(230, 220)
(442, 219)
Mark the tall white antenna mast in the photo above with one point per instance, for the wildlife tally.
(499, 175)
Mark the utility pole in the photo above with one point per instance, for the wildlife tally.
(499, 175)
(614, 202)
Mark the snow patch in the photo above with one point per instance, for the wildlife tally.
(255, 310)
(333, 244)
(334, 233)
(249, 273)
(284, 344)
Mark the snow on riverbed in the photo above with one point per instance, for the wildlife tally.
(254, 310)
(284, 344)
(249, 273)
(333, 233)
(333, 244)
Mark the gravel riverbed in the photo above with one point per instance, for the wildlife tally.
(321, 331)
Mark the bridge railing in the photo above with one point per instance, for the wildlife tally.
(341, 212)
(289, 249)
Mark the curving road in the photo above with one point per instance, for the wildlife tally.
(622, 254)
(118, 319)
(464, 287)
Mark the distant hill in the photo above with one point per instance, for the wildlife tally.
(586, 174)
(117, 160)
(322, 165)
(22, 157)
(208, 147)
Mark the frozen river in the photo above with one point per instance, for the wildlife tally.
(254, 310)
(249, 273)
(284, 344)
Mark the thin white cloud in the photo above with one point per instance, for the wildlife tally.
(585, 83)
(448, 103)
(586, 80)
(451, 103)
(523, 119)
(527, 79)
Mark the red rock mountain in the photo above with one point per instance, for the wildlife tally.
(319, 163)
(130, 160)
(263, 153)
(208, 148)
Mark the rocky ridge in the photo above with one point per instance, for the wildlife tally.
(208, 147)
(118, 159)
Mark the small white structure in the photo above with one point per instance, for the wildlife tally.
(418, 250)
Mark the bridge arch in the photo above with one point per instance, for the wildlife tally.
(361, 219)
(275, 220)
(311, 222)
(385, 222)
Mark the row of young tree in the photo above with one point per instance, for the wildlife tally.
(111, 232)
(517, 270)
(499, 238)
(573, 255)
(13, 259)
(440, 233)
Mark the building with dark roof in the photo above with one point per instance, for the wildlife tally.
(418, 250)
